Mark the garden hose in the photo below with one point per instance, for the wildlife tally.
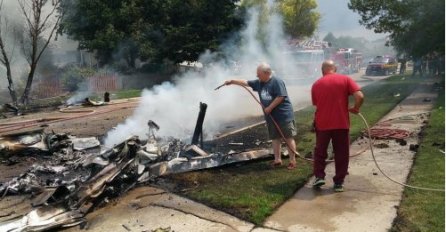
(379, 168)
(275, 124)
(281, 133)
(369, 139)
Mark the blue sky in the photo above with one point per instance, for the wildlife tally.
(341, 21)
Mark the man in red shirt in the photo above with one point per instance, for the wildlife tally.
(332, 123)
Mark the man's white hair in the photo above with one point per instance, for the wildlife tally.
(265, 67)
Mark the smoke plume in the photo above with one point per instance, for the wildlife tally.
(175, 106)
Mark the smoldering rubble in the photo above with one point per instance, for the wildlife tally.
(82, 174)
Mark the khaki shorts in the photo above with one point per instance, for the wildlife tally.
(288, 129)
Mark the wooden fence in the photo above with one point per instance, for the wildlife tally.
(52, 87)
(102, 83)
(47, 88)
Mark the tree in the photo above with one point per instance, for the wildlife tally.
(331, 39)
(7, 53)
(37, 25)
(156, 29)
(300, 19)
(103, 26)
(350, 42)
(197, 26)
(416, 27)
(367, 48)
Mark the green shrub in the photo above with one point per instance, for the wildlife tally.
(73, 78)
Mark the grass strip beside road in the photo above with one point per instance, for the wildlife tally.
(425, 210)
(129, 93)
(252, 191)
(120, 94)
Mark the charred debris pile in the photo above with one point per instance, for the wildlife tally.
(80, 174)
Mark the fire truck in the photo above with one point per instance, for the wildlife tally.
(307, 57)
(308, 61)
(347, 60)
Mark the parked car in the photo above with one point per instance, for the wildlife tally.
(382, 65)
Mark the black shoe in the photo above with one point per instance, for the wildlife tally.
(338, 188)
(318, 182)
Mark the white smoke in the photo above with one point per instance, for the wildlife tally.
(83, 91)
(12, 32)
(78, 97)
(175, 106)
(13, 29)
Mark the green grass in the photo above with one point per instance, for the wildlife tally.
(130, 93)
(233, 189)
(253, 191)
(380, 99)
(424, 210)
(121, 94)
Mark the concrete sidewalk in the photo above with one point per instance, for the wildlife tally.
(148, 208)
(370, 200)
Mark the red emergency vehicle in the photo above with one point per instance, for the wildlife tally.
(347, 60)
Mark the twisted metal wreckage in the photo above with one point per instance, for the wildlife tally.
(82, 174)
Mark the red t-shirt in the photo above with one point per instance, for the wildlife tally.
(330, 96)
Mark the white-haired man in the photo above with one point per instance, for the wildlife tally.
(277, 106)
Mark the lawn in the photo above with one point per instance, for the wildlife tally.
(424, 210)
(252, 191)
(129, 93)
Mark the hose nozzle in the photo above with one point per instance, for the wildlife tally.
(220, 86)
